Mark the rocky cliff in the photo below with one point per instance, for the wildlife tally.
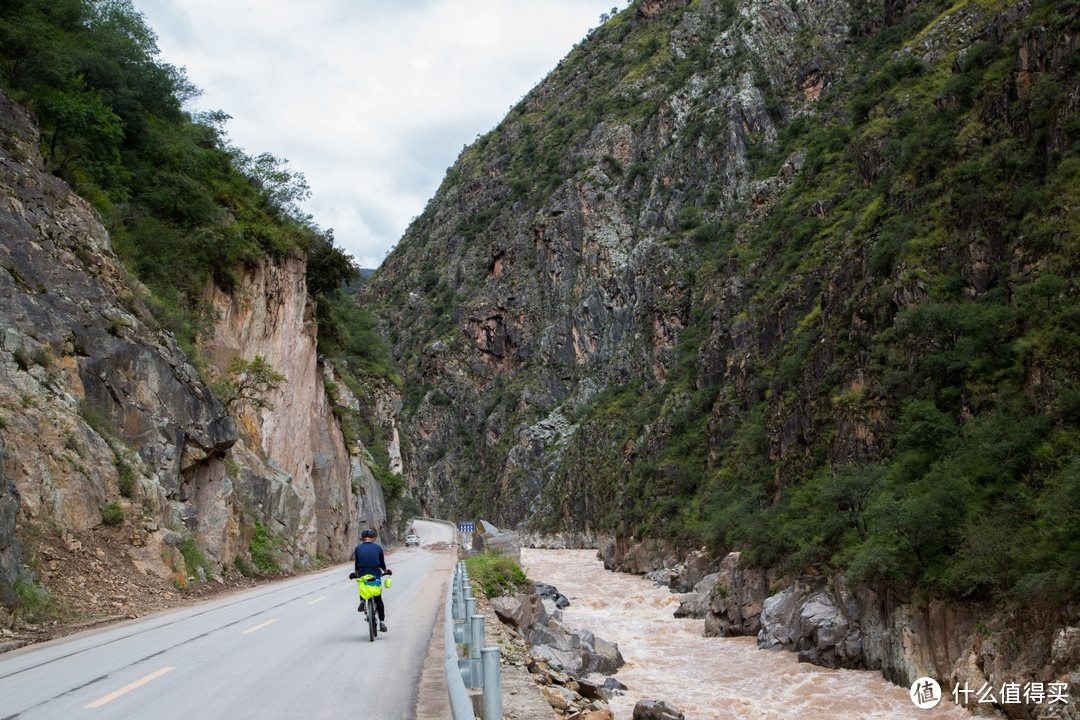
(698, 267)
(111, 428)
(794, 279)
(9, 550)
(295, 474)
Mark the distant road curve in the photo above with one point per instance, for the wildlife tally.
(290, 649)
(434, 532)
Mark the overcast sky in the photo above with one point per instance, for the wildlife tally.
(371, 101)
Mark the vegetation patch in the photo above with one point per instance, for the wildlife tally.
(195, 559)
(35, 603)
(496, 574)
(264, 549)
(112, 514)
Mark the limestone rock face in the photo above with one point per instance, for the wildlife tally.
(559, 540)
(691, 571)
(829, 624)
(297, 469)
(638, 557)
(546, 299)
(695, 604)
(736, 601)
(100, 406)
(87, 384)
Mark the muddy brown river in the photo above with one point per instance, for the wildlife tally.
(709, 678)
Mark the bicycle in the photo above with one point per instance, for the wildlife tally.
(371, 587)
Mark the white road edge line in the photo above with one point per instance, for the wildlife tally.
(124, 690)
(259, 627)
(318, 599)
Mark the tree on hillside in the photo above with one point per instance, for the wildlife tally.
(248, 381)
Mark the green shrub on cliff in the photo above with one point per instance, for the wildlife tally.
(183, 206)
(194, 559)
(264, 550)
(112, 514)
(248, 381)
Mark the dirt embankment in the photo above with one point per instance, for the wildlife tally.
(94, 577)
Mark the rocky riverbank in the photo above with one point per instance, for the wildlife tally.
(905, 637)
(558, 658)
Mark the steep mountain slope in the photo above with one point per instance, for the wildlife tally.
(796, 278)
(111, 430)
(179, 393)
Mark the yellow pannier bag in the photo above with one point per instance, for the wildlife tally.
(369, 586)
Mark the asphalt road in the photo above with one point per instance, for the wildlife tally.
(290, 649)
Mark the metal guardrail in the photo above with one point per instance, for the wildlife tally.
(460, 704)
(480, 667)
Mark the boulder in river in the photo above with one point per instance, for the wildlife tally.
(656, 710)
(550, 591)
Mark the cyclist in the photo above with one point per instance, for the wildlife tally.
(368, 560)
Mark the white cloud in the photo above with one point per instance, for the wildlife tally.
(372, 101)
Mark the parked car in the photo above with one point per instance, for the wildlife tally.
(411, 539)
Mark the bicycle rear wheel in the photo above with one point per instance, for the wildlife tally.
(372, 621)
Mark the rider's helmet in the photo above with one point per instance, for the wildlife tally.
(369, 533)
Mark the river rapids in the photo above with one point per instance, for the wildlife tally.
(709, 678)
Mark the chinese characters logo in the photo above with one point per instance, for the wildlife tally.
(925, 693)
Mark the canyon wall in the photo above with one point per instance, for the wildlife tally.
(109, 425)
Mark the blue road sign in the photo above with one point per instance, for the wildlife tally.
(466, 527)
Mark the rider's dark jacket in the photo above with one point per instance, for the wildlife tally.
(368, 559)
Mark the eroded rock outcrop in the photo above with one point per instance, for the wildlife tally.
(637, 557)
(101, 408)
(89, 386)
(297, 474)
(818, 619)
(488, 538)
(828, 623)
(9, 550)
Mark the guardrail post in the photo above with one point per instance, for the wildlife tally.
(492, 683)
(461, 581)
(469, 674)
(470, 603)
(481, 668)
(476, 642)
(476, 635)
(476, 638)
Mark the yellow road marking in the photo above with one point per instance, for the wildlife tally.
(317, 600)
(259, 627)
(138, 683)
